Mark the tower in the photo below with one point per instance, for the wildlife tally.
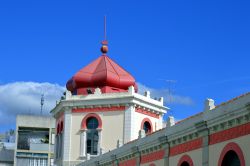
(101, 111)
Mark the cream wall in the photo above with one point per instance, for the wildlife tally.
(112, 130)
(216, 149)
(195, 155)
(112, 124)
(75, 135)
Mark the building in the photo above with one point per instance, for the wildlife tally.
(219, 135)
(102, 111)
(7, 146)
(34, 141)
(6, 156)
(103, 121)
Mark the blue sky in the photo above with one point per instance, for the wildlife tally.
(203, 45)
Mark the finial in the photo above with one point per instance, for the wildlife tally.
(104, 48)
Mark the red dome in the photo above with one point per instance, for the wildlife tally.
(103, 73)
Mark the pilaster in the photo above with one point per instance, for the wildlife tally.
(165, 145)
(129, 124)
(204, 132)
(135, 150)
(83, 143)
(99, 141)
(67, 134)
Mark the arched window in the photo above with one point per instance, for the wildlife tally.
(231, 155)
(92, 135)
(59, 139)
(147, 126)
(58, 128)
(92, 123)
(61, 128)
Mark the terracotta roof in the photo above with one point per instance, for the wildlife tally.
(101, 72)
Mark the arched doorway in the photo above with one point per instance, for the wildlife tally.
(231, 159)
(231, 155)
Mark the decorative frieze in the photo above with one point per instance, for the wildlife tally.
(230, 133)
(99, 109)
(147, 112)
(185, 147)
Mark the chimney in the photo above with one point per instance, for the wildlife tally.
(170, 121)
(209, 104)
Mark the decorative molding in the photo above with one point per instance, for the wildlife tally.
(228, 134)
(146, 112)
(131, 162)
(186, 147)
(99, 109)
(83, 124)
(152, 156)
(187, 159)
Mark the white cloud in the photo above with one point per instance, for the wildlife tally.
(169, 98)
(24, 98)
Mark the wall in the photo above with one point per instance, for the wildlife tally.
(112, 125)
(216, 149)
(199, 137)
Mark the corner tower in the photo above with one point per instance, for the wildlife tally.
(101, 111)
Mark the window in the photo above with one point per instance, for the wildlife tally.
(92, 135)
(92, 123)
(147, 127)
(89, 91)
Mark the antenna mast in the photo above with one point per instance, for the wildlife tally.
(42, 103)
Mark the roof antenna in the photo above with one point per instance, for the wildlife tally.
(42, 103)
(104, 48)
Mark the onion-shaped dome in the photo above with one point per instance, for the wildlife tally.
(103, 73)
